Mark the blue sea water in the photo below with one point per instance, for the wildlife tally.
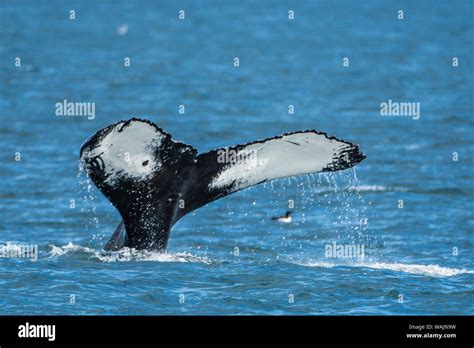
(229, 257)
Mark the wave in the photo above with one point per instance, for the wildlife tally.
(359, 189)
(427, 270)
(432, 191)
(125, 254)
(369, 188)
(129, 254)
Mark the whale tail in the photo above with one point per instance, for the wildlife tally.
(221, 172)
(163, 180)
(118, 239)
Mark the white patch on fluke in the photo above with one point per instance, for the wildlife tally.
(289, 155)
(125, 153)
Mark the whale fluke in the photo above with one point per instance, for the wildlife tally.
(154, 180)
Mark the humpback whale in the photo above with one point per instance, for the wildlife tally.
(154, 180)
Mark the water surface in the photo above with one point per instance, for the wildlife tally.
(229, 257)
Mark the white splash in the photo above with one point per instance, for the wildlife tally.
(376, 188)
(427, 270)
(70, 247)
(364, 188)
(126, 254)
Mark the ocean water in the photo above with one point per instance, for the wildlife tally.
(229, 257)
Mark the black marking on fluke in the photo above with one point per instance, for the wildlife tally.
(176, 180)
